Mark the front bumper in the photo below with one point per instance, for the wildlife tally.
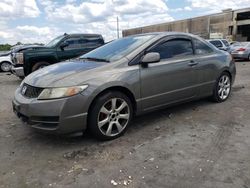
(60, 116)
(18, 71)
(240, 55)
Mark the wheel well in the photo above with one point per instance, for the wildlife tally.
(121, 89)
(226, 71)
(36, 62)
(5, 62)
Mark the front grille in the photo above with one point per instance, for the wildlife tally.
(30, 91)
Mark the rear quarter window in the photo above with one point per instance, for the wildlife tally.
(225, 43)
(201, 48)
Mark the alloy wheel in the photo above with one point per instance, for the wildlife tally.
(113, 117)
(224, 87)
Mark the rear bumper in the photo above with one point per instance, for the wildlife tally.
(59, 116)
(240, 55)
(18, 71)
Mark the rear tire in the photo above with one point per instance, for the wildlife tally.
(110, 115)
(222, 88)
(39, 65)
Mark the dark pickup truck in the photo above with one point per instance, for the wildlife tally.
(64, 47)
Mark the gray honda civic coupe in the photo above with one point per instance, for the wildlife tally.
(104, 89)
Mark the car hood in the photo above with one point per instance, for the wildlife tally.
(65, 74)
(27, 47)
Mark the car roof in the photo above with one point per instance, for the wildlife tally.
(83, 34)
(162, 34)
(217, 40)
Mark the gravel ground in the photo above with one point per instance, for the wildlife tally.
(199, 144)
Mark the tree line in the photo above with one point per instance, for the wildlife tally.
(7, 47)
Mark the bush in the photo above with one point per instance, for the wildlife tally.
(5, 47)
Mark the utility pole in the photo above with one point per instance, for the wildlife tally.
(117, 26)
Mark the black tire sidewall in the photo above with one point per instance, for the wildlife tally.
(37, 65)
(215, 92)
(2, 64)
(95, 109)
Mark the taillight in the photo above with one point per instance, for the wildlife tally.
(241, 50)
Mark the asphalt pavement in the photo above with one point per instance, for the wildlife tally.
(198, 144)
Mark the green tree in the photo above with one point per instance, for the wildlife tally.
(5, 47)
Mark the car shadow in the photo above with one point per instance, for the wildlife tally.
(240, 60)
(8, 82)
(143, 130)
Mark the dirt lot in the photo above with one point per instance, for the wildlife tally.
(199, 144)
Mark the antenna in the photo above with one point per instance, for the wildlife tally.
(117, 26)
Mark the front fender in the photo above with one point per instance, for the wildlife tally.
(92, 92)
(31, 58)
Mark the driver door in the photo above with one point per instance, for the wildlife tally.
(171, 80)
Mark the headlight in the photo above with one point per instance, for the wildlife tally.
(19, 58)
(55, 93)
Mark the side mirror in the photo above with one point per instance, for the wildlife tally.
(151, 57)
(63, 45)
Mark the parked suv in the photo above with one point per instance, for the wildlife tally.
(64, 47)
(221, 44)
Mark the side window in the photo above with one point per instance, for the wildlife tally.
(93, 41)
(74, 43)
(216, 43)
(174, 48)
(201, 48)
(226, 43)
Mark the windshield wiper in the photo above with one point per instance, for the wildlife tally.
(95, 59)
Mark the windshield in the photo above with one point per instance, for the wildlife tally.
(226, 43)
(117, 49)
(54, 41)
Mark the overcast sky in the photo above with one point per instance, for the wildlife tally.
(31, 21)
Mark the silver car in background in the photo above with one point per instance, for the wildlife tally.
(221, 44)
(241, 50)
(103, 89)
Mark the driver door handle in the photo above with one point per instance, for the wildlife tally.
(193, 63)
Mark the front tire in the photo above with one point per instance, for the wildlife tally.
(5, 66)
(110, 115)
(222, 88)
(39, 65)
